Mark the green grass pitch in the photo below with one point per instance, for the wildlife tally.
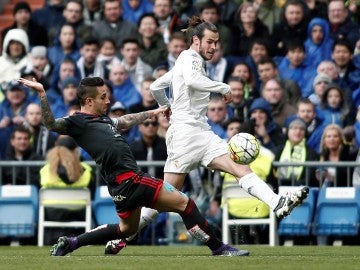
(183, 258)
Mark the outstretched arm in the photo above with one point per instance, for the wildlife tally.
(57, 125)
(129, 120)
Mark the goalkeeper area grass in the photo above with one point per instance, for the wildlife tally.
(183, 258)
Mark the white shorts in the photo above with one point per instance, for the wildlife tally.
(189, 147)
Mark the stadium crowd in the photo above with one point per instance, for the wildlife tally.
(293, 67)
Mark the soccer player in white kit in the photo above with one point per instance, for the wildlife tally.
(189, 139)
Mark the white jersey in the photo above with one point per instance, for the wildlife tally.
(191, 90)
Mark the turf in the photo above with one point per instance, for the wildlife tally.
(183, 257)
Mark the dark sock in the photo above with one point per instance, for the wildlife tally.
(100, 235)
(198, 226)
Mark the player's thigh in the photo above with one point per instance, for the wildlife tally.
(225, 164)
(170, 199)
(175, 179)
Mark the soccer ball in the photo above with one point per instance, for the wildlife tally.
(243, 148)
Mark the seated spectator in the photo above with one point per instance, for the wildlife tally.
(92, 12)
(333, 107)
(296, 66)
(296, 150)
(217, 114)
(22, 20)
(147, 99)
(68, 98)
(137, 69)
(152, 46)
(275, 96)
(320, 83)
(123, 88)
(239, 106)
(133, 10)
(334, 149)
(318, 44)
(246, 28)
(12, 112)
(20, 150)
(267, 69)
(244, 72)
(107, 55)
(63, 169)
(66, 45)
(88, 64)
(14, 56)
(41, 138)
(266, 130)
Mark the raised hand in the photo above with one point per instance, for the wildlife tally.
(38, 87)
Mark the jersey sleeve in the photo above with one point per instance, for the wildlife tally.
(196, 80)
(74, 125)
(158, 88)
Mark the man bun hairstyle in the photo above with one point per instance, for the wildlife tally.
(197, 27)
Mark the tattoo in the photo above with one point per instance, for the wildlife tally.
(129, 120)
(48, 117)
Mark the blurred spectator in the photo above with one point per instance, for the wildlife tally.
(217, 115)
(20, 150)
(41, 138)
(66, 68)
(295, 149)
(117, 110)
(68, 98)
(268, 12)
(92, 11)
(175, 46)
(88, 64)
(321, 81)
(123, 88)
(168, 20)
(137, 69)
(40, 65)
(113, 25)
(243, 71)
(66, 45)
(50, 16)
(334, 149)
(347, 65)
(292, 27)
(164, 124)
(14, 55)
(275, 96)
(210, 12)
(227, 9)
(217, 67)
(64, 169)
(73, 15)
(22, 19)
(317, 8)
(107, 55)
(318, 44)
(314, 124)
(341, 25)
(267, 70)
(147, 99)
(246, 28)
(333, 107)
(134, 9)
(296, 66)
(152, 47)
(12, 112)
(266, 130)
(239, 106)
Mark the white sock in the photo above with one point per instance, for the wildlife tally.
(259, 189)
(147, 216)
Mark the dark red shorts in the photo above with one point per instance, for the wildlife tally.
(133, 191)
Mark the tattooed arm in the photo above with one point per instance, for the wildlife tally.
(129, 120)
(57, 125)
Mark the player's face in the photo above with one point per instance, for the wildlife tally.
(207, 45)
(101, 102)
